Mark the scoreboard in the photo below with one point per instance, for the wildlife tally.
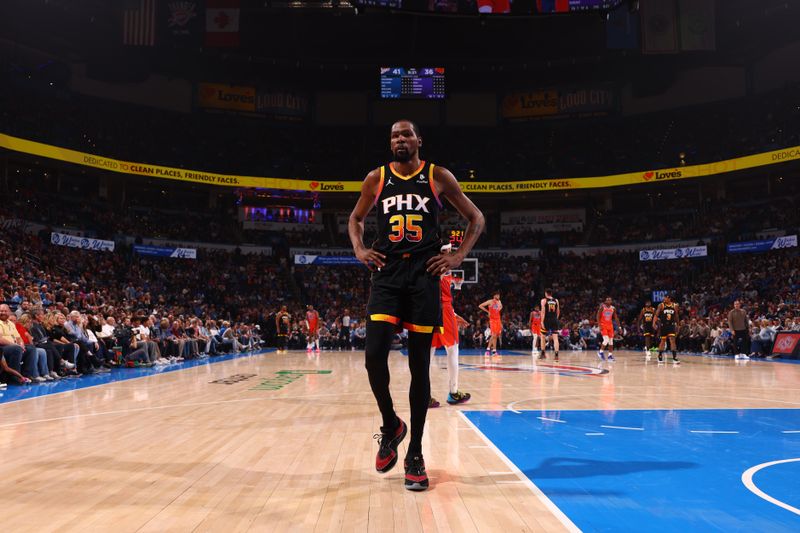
(456, 238)
(412, 83)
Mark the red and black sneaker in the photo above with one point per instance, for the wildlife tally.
(388, 441)
(416, 477)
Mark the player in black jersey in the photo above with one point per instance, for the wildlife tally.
(551, 312)
(667, 317)
(406, 261)
(646, 317)
(283, 327)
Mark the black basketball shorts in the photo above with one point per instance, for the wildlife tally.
(551, 325)
(405, 294)
(667, 330)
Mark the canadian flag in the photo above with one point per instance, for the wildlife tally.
(222, 22)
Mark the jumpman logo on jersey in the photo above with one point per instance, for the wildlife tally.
(390, 182)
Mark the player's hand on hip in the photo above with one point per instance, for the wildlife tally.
(371, 258)
(439, 264)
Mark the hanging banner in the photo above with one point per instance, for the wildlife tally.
(85, 243)
(562, 102)
(317, 260)
(282, 105)
(161, 251)
(278, 104)
(557, 184)
(687, 252)
(788, 241)
(226, 97)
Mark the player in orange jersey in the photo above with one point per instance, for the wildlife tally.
(312, 326)
(493, 307)
(536, 330)
(606, 315)
(448, 337)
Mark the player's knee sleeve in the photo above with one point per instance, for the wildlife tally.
(379, 342)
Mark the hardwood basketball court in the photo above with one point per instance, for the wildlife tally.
(274, 442)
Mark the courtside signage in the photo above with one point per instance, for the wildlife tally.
(558, 184)
(787, 345)
(232, 380)
(285, 377)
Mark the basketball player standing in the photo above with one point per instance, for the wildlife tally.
(312, 326)
(536, 330)
(551, 310)
(283, 327)
(493, 308)
(667, 316)
(406, 263)
(449, 339)
(606, 315)
(646, 317)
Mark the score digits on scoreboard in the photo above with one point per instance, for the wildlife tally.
(422, 83)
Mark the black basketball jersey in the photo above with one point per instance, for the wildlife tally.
(407, 212)
(550, 308)
(647, 314)
(667, 314)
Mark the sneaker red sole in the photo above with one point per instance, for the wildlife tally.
(388, 463)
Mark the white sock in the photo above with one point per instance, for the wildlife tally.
(452, 367)
(317, 343)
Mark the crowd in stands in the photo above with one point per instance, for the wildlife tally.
(767, 285)
(129, 309)
(731, 221)
(68, 311)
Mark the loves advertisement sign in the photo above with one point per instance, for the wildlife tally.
(226, 97)
(322, 186)
(277, 104)
(661, 175)
(560, 102)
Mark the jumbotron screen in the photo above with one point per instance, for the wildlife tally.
(412, 83)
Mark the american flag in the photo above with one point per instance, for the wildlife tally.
(139, 23)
